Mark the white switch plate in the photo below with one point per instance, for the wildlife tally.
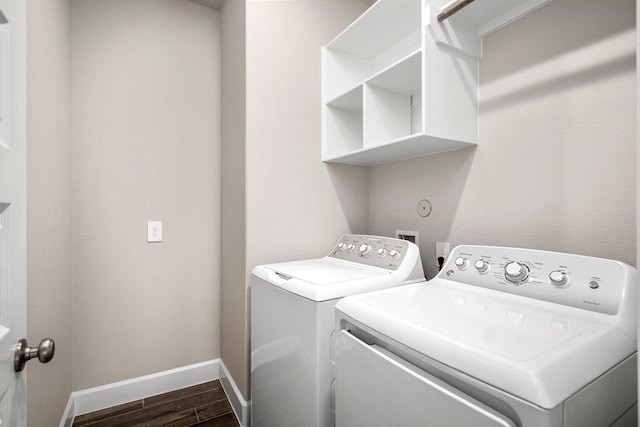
(154, 231)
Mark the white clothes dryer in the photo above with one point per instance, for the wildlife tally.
(501, 337)
(293, 319)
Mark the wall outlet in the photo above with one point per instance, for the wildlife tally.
(154, 231)
(412, 236)
(442, 253)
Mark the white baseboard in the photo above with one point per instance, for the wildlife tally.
(105, 396)
(240, 406)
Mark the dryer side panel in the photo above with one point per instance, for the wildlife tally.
(613, 394)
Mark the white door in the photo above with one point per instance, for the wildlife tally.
(13, 233)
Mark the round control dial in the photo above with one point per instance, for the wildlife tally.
(558, 278)
(461, 263)
(342, 246)
(481, 266)
(516, 272)
(350, 247)
(394, 254)
(382, 252)
(365, 249)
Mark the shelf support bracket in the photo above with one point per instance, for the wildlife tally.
(453, 8)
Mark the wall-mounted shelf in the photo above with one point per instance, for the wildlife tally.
(399, 84)
(399, 149)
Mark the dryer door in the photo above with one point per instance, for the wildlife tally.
(376, 388)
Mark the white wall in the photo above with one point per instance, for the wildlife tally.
(296, 205)
(233, 220)
(145, 146)
(555, 166)
(49, 207)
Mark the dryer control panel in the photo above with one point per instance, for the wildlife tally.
(594, 284)
(376, 251)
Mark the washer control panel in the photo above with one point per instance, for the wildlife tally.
(383, 252)
(594, 284)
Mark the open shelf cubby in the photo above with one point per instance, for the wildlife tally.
(379, 38)
(398, 83)
(343, 123)
(392, 101)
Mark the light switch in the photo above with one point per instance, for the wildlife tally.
(154, 231)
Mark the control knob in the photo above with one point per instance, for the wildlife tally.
(481, 266)
(350, 247)
(558, 278)
(365, 249)
(382, 252)
(516, 272)
(461, 263)
(394, 254)
(342, 246)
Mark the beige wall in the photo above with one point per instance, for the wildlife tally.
(49, 207)
(555, 166)
(296, 205)
(145, 146)
(233, 292)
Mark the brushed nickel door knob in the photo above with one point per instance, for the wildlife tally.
(23, 353)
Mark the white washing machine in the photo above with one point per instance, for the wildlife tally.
(293, 319)
(501, 337)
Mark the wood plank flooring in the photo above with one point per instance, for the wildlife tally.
(203, 405)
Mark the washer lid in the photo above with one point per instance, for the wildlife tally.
(536, 350)
(325, 279)
(326, 271)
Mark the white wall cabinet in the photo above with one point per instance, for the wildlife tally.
(398, 84)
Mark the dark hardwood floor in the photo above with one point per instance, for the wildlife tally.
(200, 405)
